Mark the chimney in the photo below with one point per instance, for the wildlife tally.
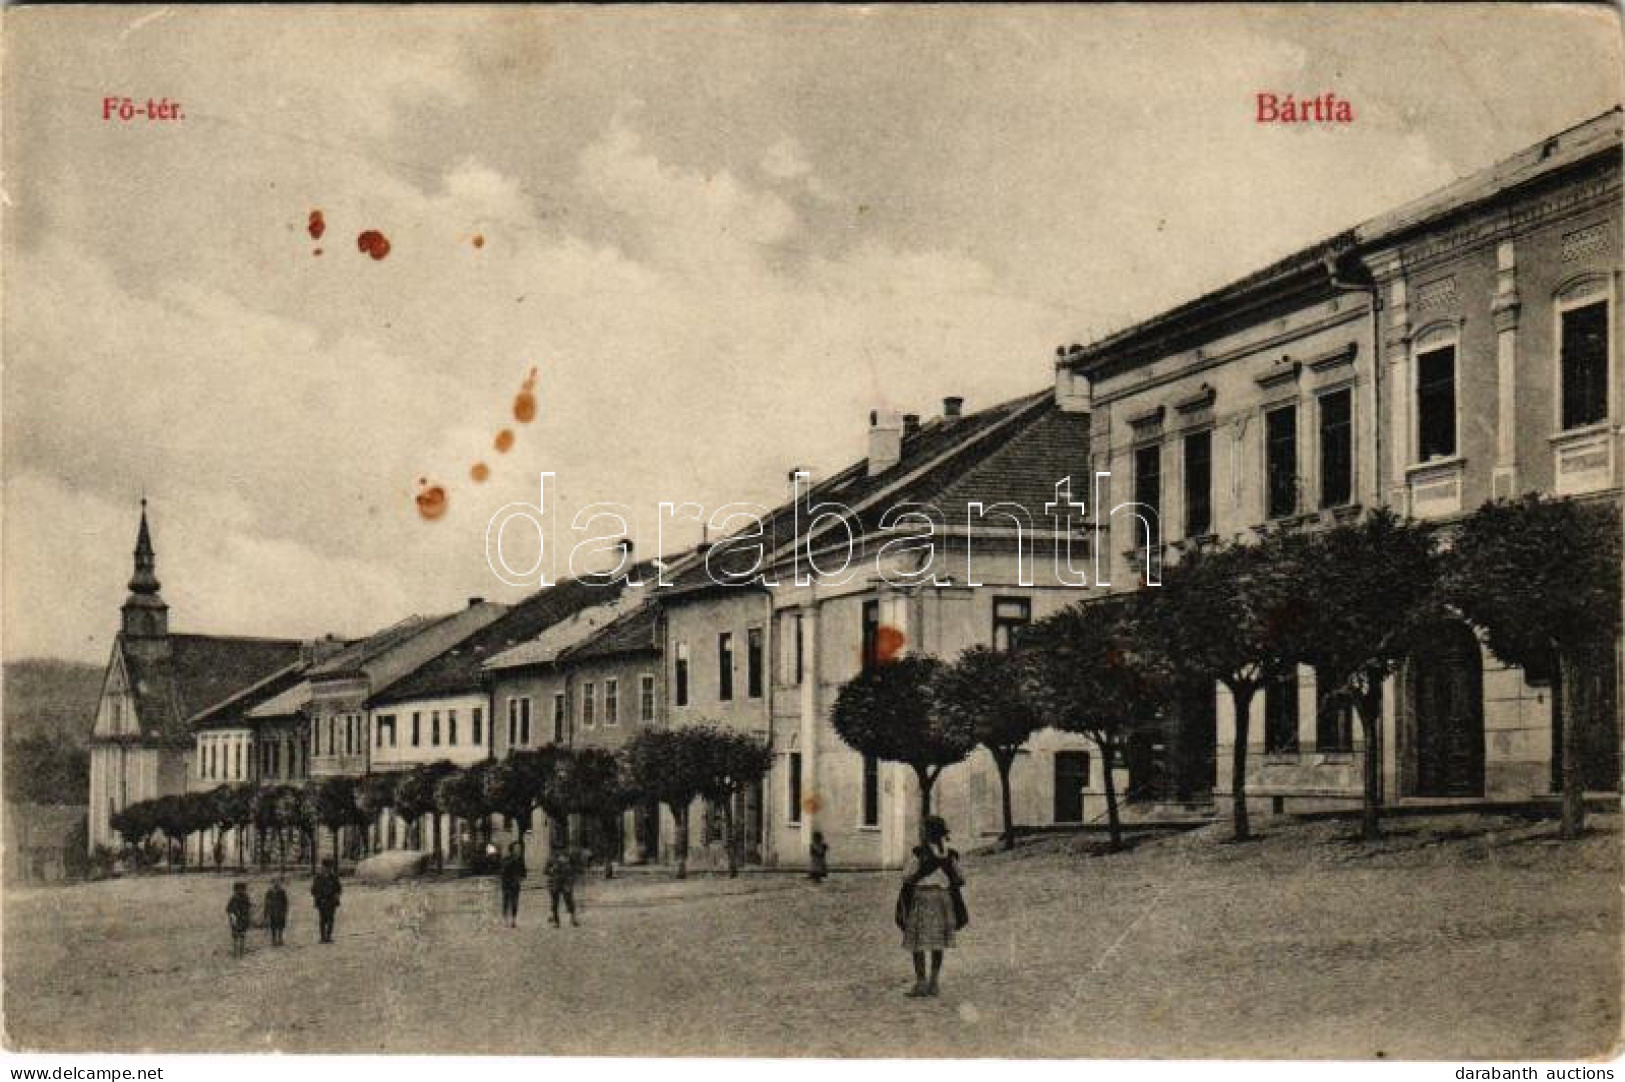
(1071, 386)
(473, 601)
(885, 440)
(911, 424)
(952, 407)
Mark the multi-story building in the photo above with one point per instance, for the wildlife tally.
(141, 743)
(1459, 348)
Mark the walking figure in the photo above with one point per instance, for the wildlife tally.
(819, 854)
(325, 890)
(276, 911)
(561, 872)
(931, 907)
(239, 911)
(513, 874)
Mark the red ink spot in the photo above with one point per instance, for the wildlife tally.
(504, 441)
(889, 643)
(524, 404)
(480, 471)
(373, 243)
(316, 251)
(431, 501)
(317, 225)
(479, 240)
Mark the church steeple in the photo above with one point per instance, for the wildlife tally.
(145, 614)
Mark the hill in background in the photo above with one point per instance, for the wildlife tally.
(51, 698)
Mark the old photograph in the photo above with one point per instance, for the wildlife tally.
(1032, 532)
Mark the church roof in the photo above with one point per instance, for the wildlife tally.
(196, 672)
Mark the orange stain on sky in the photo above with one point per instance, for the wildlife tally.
(317, 225)
(504, 441)
(524, 403)
(373, 243)
(480, 471)
(431, 500)
(479, 240)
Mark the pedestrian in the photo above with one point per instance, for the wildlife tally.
(325, 890)
(276, 911)
(931, 906)
(561, 872)
(240, 912)
(818, 854)
(513, 874)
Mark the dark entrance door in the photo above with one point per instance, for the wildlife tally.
(1195, 737)
(1448, 701)
(1071, 778)
(1599, 700)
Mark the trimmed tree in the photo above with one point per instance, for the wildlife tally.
(232, 808)
(1088, 673)
(1234, 613)
(1360, 627)
(375, 794)
(661, 767)
(415, 798)
(514, 785)
(1541, 578)
(461, 795)
(334, 806)
(989, 691)
(730, 762)
(135, 824)
(889, 712)
(588, 782)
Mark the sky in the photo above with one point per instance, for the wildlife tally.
(719, 235)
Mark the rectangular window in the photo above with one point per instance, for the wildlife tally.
(1010, 615)
(1281, 461)
(1436, 403)
(276, 759)
(434, 728)
(386, 724)
(1148, 483)
(524, 721)
(588, 695)
(513, 722)
(559, 712)
(1584, 365)
(1199, 483)
(451, 727)
(417, 729)
(871, 635)
(725, 666)
(871, 791)
(1071, 779)
(800, 648)
(612, 702)
(1281, 714)
(1337, 448)
(753, 662)
(1334, 718)
(646, 697)
(792, 811)
(479, 727)
(237, 760)
(680, 674)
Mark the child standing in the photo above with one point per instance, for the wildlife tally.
(276, 911)
(560, 871)
(818, 853)
(239, 910)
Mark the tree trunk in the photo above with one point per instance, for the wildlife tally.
(1114, 823)
(1574, 727)
(729, 841)
(1242, 696)
(927, 780)
(1004, 762)
(1369, 707)
(681, 815)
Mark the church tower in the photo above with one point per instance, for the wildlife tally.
(146, 617)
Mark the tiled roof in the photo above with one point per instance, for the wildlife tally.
(457, 670)
(235, 707)
(198, 672)
(632, 633)
(358, 653)
(550, 642)
(940, 452)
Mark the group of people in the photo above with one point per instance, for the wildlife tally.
(325, 890)
(930, 905)
(561, 871)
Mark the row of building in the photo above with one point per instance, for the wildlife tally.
(1460, 348)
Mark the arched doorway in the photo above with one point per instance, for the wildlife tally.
(1446, 699)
